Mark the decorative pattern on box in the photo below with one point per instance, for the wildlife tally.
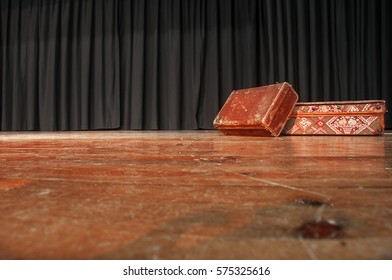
(337, 118)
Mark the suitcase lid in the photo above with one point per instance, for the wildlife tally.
(360, 107)
(257, 108)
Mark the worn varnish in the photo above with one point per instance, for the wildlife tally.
(194, 195)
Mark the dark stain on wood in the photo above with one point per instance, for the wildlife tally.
(320, 230)
(311, 202)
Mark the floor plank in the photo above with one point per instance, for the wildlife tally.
(194, 195)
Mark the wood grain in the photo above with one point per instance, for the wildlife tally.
(194, 195)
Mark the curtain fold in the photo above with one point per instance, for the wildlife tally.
(171, 64)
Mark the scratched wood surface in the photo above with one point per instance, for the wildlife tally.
(194, 195)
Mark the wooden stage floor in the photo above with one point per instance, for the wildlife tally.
(194, 195)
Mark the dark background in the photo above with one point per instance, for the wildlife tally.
(171, 64)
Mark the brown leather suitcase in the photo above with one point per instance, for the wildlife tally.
(259, 111)
(364, 117)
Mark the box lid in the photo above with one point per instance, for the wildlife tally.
(360, 107)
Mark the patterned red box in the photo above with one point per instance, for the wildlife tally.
(337, 118)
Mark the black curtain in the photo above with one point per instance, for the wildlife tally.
(171, 64)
